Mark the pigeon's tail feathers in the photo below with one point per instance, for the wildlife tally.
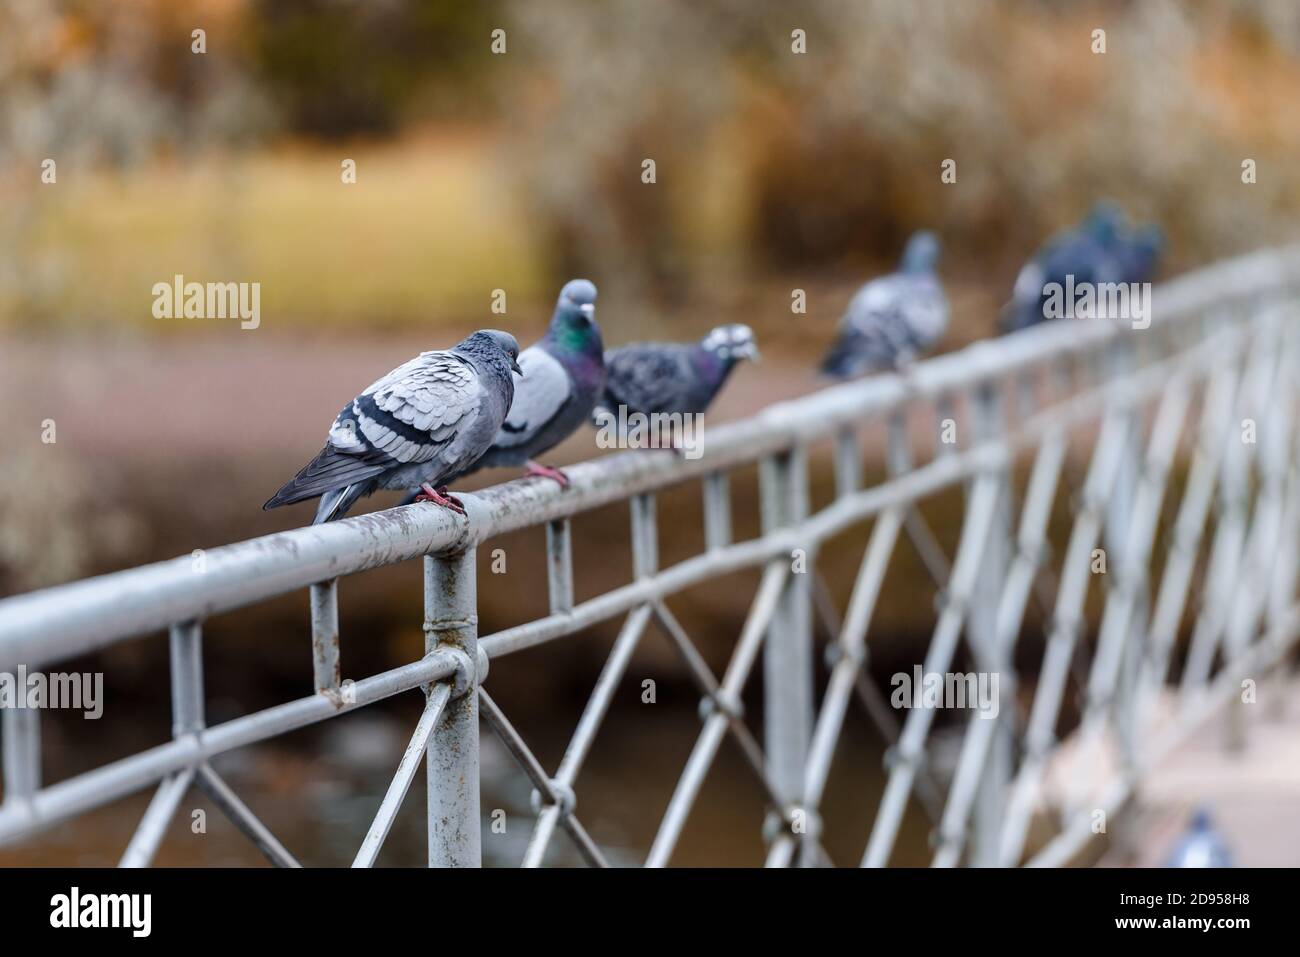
(837, 363)
(335, 504)
(328, 471)
(848, 356)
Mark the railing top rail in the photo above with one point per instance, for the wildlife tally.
(68, 620)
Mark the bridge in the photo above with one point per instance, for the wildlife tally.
(1167, 594)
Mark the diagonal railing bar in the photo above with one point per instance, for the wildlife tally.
(1035, 512)
(715, 725)
(1019, 800)
(1122, 600)
(850, 643)
(1066, 625)
(1189, 528)
(811, 851)
(713, 701)
(526, 760)
(157, 816)
(925, 787)
(244, 819)
(185, 645)
(588, 726)
(910, 753)
(1275, 432)
(873, 702)
(407, 769)
(1268, 551)
(899, 462)
(1230, 531)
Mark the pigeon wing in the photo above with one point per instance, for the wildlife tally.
(406, 417)
(889, 317)
(648, 378)
(925, 310)
(416, 410)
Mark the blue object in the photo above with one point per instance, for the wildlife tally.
(1201, 845)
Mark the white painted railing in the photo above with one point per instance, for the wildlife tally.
(1130, 408)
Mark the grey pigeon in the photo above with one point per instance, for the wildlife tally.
(673, 377)
(564, 375)
(420, 425)
(893, 319)
(1201, 846)
(1090, 253)
(1139, 254)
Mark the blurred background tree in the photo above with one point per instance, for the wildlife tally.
(767, 161)
(477, 171)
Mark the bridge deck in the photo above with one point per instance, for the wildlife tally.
(1253, 792)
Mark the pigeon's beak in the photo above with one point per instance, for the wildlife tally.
(514, 365)
(588, 309)
(750, 351)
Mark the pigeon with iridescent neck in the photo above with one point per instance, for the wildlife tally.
(564, 375)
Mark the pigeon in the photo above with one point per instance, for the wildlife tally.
(1139, 254)
(1089, 252)
(892, 319)
(564, 375)
(1201, 845)
(421, 424)
(673, 377)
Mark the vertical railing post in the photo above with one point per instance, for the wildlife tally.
(20, 741)
(645, 536)
(1121, 361)
(325, 636)
(559, 564)
(988, 425)
(186, 644)
(451, 624)
(788, 652)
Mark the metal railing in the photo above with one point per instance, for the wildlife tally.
(1139, 406)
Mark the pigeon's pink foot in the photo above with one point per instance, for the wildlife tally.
(546, 471)
(440, 496)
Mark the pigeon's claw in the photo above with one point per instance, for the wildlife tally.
(547, 471)
(440, 496)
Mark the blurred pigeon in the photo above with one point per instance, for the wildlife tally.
(422, 424)
(1089, 252)
(1201, 845)
(672, 377)
(564, 375)
(1139, 254)
(893, 319)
